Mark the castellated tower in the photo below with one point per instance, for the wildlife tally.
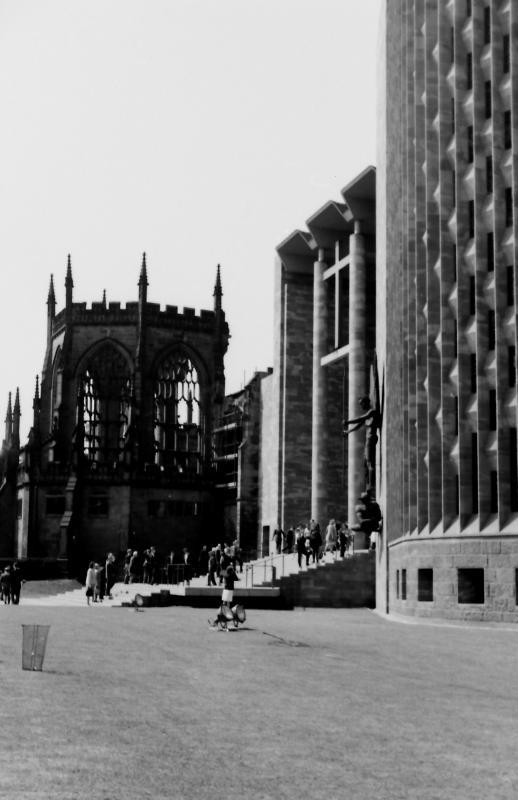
(120, 453)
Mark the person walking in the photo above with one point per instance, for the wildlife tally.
(5, 585)
(300, 546)
(228, 586)
(90, 582)
(212, 569)
(110, 574)
(315, 540)
(134, 567)
(16, 583)
(331, 537)
(203, 561)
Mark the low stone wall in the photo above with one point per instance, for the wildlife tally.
(464, 578)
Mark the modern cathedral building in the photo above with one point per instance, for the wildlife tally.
(447, 308)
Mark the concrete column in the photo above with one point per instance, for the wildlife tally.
(319, 429)
(357, 373)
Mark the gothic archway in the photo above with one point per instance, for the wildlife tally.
(178, 415)
(104, 404)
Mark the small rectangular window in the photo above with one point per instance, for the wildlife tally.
(489, 174)
(492, 410)
(493, 480)
(469, 71)
(511, 365)
(508, 139)
(487, 25)
(470, 585)
(473, 372)
(469, 134)
(508, 207)
(506, 55)
(487, 99)
(425, 585)
(403, 584)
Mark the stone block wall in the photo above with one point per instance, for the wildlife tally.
(495, 560)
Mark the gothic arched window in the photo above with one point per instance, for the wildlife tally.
(104, 405)
(178, 419)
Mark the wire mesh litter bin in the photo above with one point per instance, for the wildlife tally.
(33, 646)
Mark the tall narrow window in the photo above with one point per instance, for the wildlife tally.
(471, 218)
(468, 8)
(491, 331)
(470, 143)
(508, 139)
(178, 419)
(104, 406)
(510, 285)
(472, 296)
(453, 188)
(492, 409)
(452, 44)
(473, 372)
(493, 485)
(397, 584)
(452, 112)
(474, 473)
(490, 251)
(489, 174)
(454, 261)
(506, 55)
(487, 99)
(469, 71)
(511, 366)
(508, 206)
(456, 414)
(487, 25)
(403, 584)
(513, 470)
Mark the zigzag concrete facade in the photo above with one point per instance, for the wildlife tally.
(447, 303)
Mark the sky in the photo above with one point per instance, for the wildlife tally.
(202, 132)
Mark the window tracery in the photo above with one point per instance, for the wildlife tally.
(104, 405)
(178, 419)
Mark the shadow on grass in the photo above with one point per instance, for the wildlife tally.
(286, 642)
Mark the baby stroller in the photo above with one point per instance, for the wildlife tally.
(227, 615)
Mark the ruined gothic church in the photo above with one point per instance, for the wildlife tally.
(120, 450)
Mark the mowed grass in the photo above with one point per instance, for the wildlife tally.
(315, 704)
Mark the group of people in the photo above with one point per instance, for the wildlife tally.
(100, 579)
(307, 541)
(11, 584)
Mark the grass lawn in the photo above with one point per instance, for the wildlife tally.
(316, 704)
